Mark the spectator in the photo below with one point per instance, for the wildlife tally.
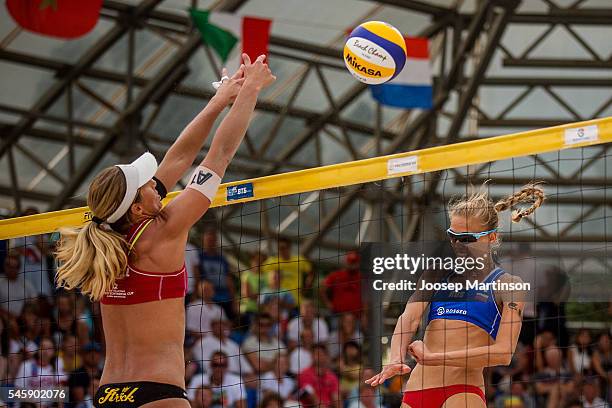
(341, 290)
(272, 307)
(307, 319)
(33, 251)
(192, 263)
(590, 395)
(251, 285)
(41, 371)
(15, 290)
(213, 267)
(260, 348)
(301, 357)
(67, 320)
(202, 310)
(219, 340)
(227, 389)
(355, 393)
(81, 380)
(27, 333)
(271, 400)
(192, 366)
(278, 381)
(602, 363)
(350, 368)
(4, 373)
(543, 341)
(273, 292)
(347, 331)
(366, 398)
(203, 397)
(68, 354)
(580, 354)
(551, 314)
(555, 377)
(296, 271)
(517, 396)
(319, 382)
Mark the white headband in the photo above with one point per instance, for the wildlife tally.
(137, 174)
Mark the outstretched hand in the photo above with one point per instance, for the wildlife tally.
(387, 372)
(257, 72)
(230, 87)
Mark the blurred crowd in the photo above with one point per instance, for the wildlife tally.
(270, 332)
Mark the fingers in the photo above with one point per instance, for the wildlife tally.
(261, 58)
(246, 59)
(223, 72)
(239, 73)
(373, 381)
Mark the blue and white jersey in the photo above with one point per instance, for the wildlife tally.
(475, 306)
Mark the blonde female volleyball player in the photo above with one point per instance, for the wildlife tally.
(464, 334)
(131, 257)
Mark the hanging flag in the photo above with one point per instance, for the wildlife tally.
(231, 35)
(412, 88)
(56, 18)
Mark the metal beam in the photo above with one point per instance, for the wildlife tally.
(521, 181)
(498, 26)
(56, 90)
(144, 97)
(167, 74)
(418, 6)
(190, 91)
(556, 63)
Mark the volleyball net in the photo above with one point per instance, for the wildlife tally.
(281, 279)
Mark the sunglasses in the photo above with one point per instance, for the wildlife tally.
(467, 237)
(218, 365)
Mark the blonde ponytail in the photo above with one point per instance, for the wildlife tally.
(477, 204)
(93, 257)
(531, 193)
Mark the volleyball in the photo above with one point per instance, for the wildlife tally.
(375, 52)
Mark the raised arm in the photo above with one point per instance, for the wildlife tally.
(184, 150)
(189, 206)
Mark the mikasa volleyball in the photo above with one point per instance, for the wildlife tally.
(375, 52)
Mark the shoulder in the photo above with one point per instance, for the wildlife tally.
(509, 278)
(512, 294)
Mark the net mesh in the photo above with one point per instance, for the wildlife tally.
(280, 311)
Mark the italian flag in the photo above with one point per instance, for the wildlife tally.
(231, 35)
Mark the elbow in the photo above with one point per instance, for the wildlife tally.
(503, 358)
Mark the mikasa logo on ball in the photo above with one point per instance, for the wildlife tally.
(355, 64)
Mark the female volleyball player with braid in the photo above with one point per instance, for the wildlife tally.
(463, 335)
(131, 257)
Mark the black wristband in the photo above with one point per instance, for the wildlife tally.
(161, 189)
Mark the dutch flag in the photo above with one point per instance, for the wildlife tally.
(412, 88)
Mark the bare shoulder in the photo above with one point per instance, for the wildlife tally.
(513, 293)
(157, 249)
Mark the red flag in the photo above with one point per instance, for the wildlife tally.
(56, 18)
